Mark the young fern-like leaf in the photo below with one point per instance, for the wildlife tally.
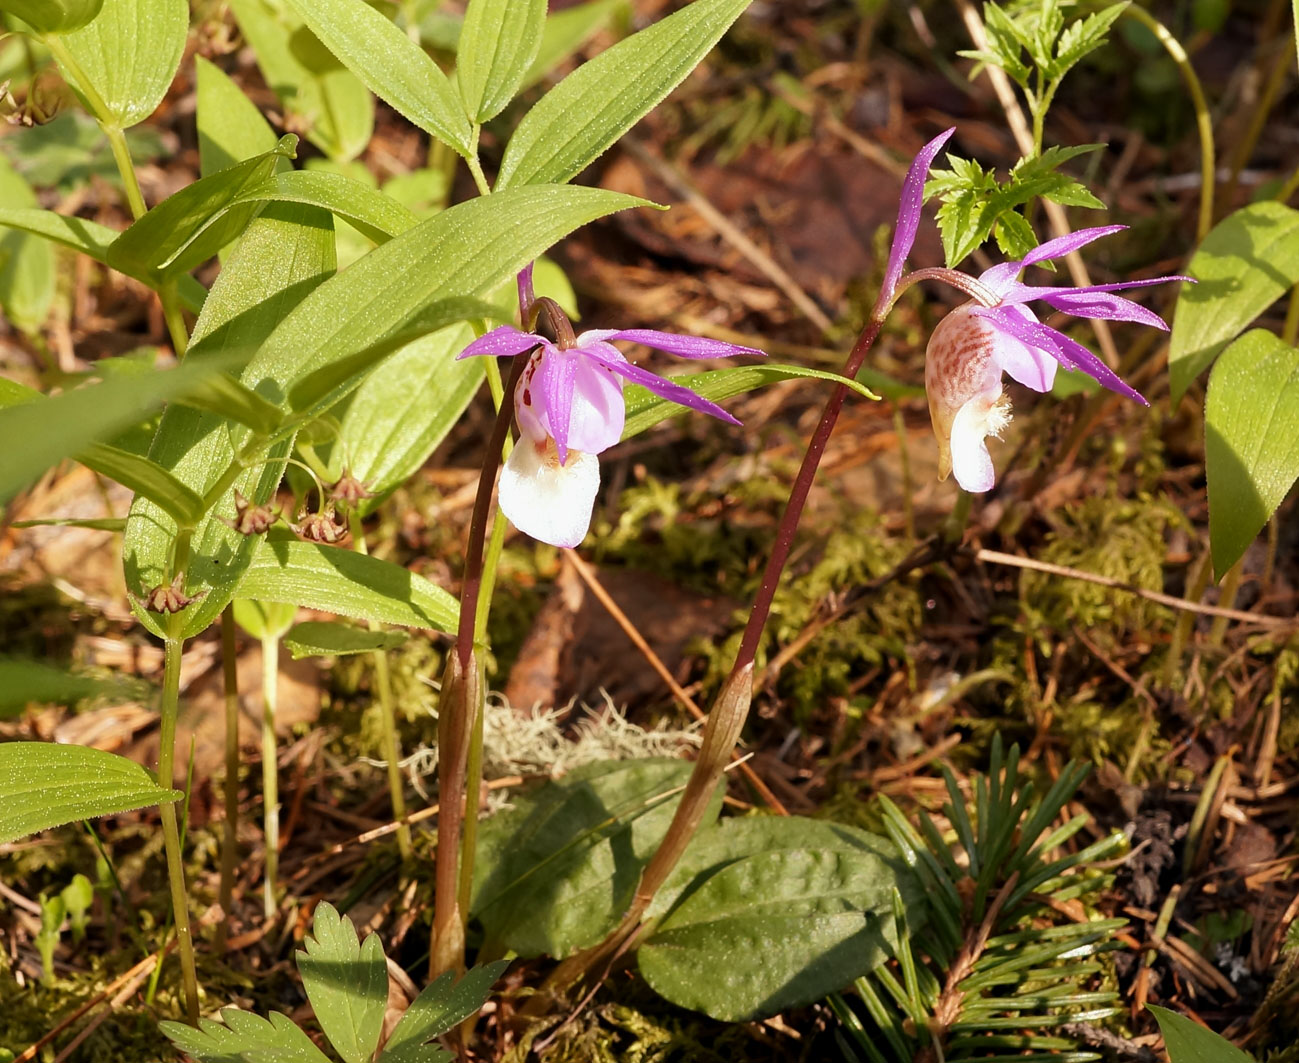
(994, 972)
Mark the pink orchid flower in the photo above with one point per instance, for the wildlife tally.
(995, 332)
(569, 407)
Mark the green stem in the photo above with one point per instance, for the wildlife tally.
(475, 166)
(387, 715)
(170, 829)
(1197, 579)
(230, 840)
(1226, 599)
(175, 318)
(270, 770)
(1203, 119)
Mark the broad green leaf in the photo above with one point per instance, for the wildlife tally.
(323, 638)
(443, 1005)
(90, 238)
(285, 253)
(129, 53)
(144, 478)
(556, 872)
(346, 982)
(566, 31)
(190, 226)
(1248, 261)
(1251, 428)
(243, 1036)
(498, 43)
(230, 127)
(645, 409)
(52, 16)
(315, 89)
(378, 216)
(391, 65)
(346, 583)
(582, 116)
(23, 682)
(1189, 1042)
(227, 397)
(772, 913)
(400, 414)
(26, 262)
(38, 435)
(46, 784)
(263, 620)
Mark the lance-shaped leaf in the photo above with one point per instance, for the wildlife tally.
(1248, 261)
(498, 42)
(1251, 427)
(321, 95)
(771, 913)
(391, 65)
(1189, 1042)
(92, 239)
(346, 583)
(566, 31)
(144, 478)
(129, 54)
(581, 117)
(346, 982)
(23, 682)
(377, 216)
(26, 262)
(243, 1036)
(556, 872)
(45, 784)
(190, 226)
(230, 127)
(442, 1006)
(324, 638)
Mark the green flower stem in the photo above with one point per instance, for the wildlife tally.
(170, 828)
(1203, 119)
(230, 837)
(387, 715)
(270, 770)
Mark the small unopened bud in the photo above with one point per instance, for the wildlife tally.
(169, 598)
(251, 519)
(322, 527)
(350, 490)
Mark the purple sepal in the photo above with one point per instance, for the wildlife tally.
(502, 342)
(684, 346)
(909, 204)
(664, 389)
(1000, 276)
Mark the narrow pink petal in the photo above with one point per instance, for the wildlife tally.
(1025, 364)
(503, 342)
(1087, 302)
(909, 204)
(554, 388)
(1000, 276)
(664, 389)
(684, 346)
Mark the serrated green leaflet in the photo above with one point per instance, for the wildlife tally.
(556, 872)
(772, 913)
(346, 982)
(329, 100)
(582, 116)
(241, 1035)
(391, 65)
(92, 239)
(230, 127)
(321, 638)
(443, 1005)
(191, 226)
(1189, 1042)
(285, 253)
(44, 784)
(1248, 261)
(644, 409)
(129, 54)
(1251, 427)
(346, 583)
(498, 42)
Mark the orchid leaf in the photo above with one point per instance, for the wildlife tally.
(556, 871)
(1189, 1042)
(813, 899)
(1251, 425)
(129, 54)
(391, 65)
(498, 42)
(1246, 263)
(47, 784)
(346, 583)
(644, 410)
(585, 114)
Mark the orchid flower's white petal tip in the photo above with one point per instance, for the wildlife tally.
(547, 500)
